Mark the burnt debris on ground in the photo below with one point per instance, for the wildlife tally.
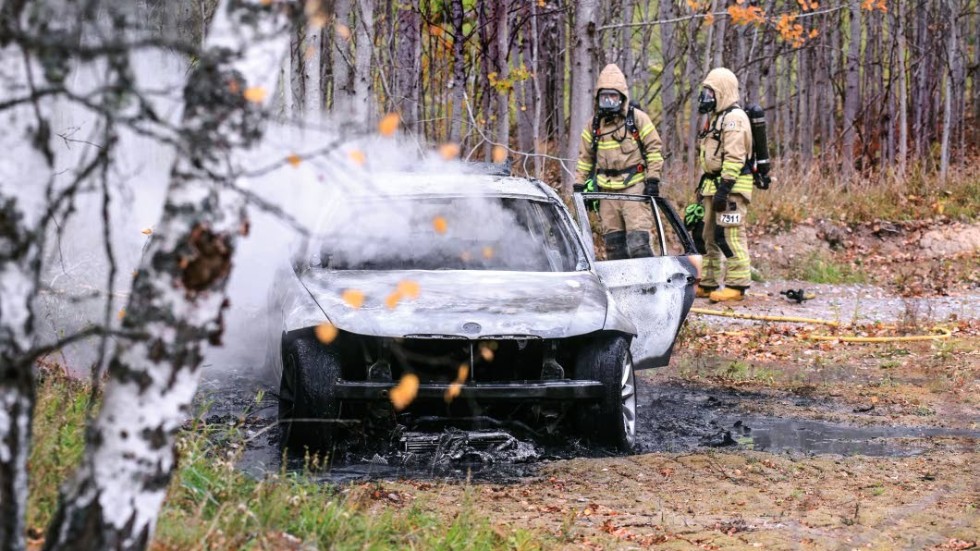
(672, 418)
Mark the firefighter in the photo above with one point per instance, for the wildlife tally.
(725, 190)
(621, 153)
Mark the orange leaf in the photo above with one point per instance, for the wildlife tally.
(353, 298)
(326, 333)
(499, 154)
(393, 299)
(439, 224)
(408, 288)
(357, 156)
(146, 231)
(449, 151)
(294, 159)
(486, 353)
(122, 313)
(452, 392)
(343, 31)
(404, 392)
(488, 252)
(255, 94)
(389, 124)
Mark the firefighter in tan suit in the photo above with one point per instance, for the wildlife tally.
(726, 188)
(621, 153)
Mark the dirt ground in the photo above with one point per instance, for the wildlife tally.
(760, 436)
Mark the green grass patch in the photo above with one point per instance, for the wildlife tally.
(819, 268)
(212, 505)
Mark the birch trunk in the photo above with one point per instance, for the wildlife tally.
(343, 58)
(948, 89)
(582, 73)
(503, 71)
(178, 294)
(458, 82)
(668, 88)
(313, 89)
(852, 91)
(406, 73)
(363, 79)
(903, 95)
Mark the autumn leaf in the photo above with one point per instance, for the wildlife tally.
(357, 156)
(255, 94)
(499, 154)
(487, 252)
(486, 353)
(353, 298)
(343, 31)
(392, 300)
(439, 224)
(121, 314)
(389, 124)
(294, 160)
(456, 387)
(404, 392)
(408, 288)
(146, 231)
(449, 151)
(326, 333)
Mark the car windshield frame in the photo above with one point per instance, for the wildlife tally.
(315, 257)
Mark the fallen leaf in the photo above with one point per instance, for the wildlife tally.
(499, 154)
(357, 156)
(439, 224)
(255, 94)
(449, 151)
(326, 333)
(409, 289)
(389, 124)
(404, 392)
(353, 298)
(294, 160)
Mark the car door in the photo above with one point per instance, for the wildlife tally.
(654, 293)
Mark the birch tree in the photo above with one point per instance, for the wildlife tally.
(179, 291)
(582, 72)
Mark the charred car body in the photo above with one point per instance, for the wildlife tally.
(489, 292)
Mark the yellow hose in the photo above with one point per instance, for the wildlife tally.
(944, 333)
(760, 317)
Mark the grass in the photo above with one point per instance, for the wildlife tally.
(212, 505)
(817, 267)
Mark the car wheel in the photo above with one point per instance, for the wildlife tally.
(308, 406)
(612, 421)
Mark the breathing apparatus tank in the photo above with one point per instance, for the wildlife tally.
(760, 146)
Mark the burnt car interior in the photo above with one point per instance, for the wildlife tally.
(451, 233)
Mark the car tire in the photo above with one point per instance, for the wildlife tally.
(611, 421)
(308, 405)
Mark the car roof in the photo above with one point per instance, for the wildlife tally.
(417, 184)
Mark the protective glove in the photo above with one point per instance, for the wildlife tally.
(578, 188)
(651, 187)
(719, 203)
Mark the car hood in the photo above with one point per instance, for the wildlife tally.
(468, 304)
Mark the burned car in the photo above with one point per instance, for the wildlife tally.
(489, 294)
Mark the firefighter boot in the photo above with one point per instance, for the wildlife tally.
(703, 292)
(638, 243)
(728, 294)
(615, 245)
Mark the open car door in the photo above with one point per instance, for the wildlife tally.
(654, 293)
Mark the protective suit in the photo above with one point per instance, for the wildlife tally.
(621, 167)
(725, 147)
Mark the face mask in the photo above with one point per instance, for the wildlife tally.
(610, 102)
(706, 101)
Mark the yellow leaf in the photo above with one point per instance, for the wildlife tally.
(294, 159)
(709, 19)
(353, 298)
(452, 392)
(343, 31)
(439, 224)
(122, 313)
(404, 392)
(488, 252)
(389, 124)
(486, 353)
(408, 289)
(146, 231)
(499, 154)
(357, 156)
(462, 373)
(449, 151)
(255, 94)
(393, 299)
(326, 333)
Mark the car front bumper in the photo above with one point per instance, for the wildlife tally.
(560, 390)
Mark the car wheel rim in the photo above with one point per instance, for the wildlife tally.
(628, 400)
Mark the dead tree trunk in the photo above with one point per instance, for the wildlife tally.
(582, 80)
(178, 295)
(852, 97)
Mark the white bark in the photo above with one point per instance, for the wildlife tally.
(178, 294)
(948, 79)
(852, 87)
(903, 96)
(582, 82)
(363, 82)
(313, 97)
(343, 59)
(503, 70)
